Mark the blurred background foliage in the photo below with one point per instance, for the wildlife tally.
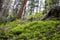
(29, 26)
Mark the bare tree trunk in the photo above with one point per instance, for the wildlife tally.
(1, 2)
(21, 9)
(5, 7)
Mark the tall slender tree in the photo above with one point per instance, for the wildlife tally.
(1, 2)
(5, 7)
(22, 8)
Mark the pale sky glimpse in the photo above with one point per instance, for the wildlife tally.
(41, 4)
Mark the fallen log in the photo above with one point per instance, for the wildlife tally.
(54, 11)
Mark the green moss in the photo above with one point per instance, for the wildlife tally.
(37, 30)
(40, 15)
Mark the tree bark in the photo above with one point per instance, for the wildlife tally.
(1, 2)
(22, 8)
(5, 7)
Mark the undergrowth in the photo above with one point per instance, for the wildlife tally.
(36, 30)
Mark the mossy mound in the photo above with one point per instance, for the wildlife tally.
(36, 30)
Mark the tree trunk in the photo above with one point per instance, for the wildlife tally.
(22, 9)
(5, 8)
(1, 2)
